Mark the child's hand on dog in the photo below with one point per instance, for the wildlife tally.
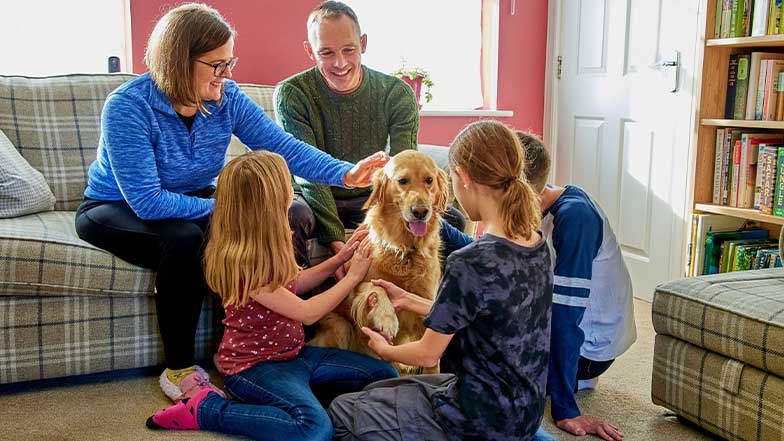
(360, 262)
(397, 295)
(377, 342)
(348, 249)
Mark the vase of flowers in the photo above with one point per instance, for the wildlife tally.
(416, 78)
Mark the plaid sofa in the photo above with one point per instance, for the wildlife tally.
(719, 352)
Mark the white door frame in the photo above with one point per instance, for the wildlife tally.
(550, 117)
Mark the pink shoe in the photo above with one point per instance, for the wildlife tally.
(181, 416)
(194, 383)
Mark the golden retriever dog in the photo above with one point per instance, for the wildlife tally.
(404, 222)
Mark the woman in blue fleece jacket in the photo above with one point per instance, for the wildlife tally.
(164, 137)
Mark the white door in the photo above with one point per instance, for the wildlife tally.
(623, 135)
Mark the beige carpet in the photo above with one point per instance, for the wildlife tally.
(116, 409)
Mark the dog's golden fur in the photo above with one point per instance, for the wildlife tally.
(411, 179)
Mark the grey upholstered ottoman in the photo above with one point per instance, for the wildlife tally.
(719, 352)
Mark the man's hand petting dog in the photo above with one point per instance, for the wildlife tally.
(346, 250)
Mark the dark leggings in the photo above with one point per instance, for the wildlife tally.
(171, 247)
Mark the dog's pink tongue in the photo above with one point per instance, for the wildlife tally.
(418, 228)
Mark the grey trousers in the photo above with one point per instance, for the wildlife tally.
(398, 409)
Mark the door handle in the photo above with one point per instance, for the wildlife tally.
(674, 61)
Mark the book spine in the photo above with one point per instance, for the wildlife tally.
(780, 98)
(736, 18)
(736, 153)
(772, 94)
(759, 23)
(758, 180)
(767, 170)
(769, 74)
(743, 168)
(717, 167)
(726, 19)
(759, 102)
(717, 19)
(732, 79)
(778, 203)
(741, 86)
(726, 168)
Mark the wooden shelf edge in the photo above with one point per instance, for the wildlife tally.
(744, 213)
(764, 41)
(744, 123)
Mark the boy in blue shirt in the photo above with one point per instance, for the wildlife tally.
(593, 315)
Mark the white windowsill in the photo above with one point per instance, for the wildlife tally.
(474, 113)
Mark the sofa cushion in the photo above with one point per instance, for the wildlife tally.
(44, 257)
(23, 189)
(739, 315)
(55, 123)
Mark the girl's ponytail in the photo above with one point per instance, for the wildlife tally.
(492, 155)
(519, 208)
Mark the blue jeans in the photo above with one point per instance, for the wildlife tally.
(274, 399)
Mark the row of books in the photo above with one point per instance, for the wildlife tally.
(743, 18)
(755, 87)
(748, 171)
(721, 244)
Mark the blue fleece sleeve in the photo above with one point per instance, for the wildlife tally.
(258, 131)
(127, 132)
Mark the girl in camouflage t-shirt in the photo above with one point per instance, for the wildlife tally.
(490, 320)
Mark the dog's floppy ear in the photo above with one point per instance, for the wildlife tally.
(442, 191)
(378, 196)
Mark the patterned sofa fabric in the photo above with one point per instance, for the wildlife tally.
(739, 315)
(718, 393)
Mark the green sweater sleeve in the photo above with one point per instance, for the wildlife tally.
(404, 119)
(292, 110)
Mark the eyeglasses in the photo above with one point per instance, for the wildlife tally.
(218, 69)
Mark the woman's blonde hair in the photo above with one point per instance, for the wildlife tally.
(491, 154)
(249, 244)
(180, 37)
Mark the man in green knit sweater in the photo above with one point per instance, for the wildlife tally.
(347, 110)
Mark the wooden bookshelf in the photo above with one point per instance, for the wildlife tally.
(752, 42)
(710, 99)
(745, 213)
(743, 123)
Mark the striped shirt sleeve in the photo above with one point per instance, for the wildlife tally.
(577, 236)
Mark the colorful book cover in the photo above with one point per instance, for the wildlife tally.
(736, 158)
(759, 101)
(707, 223)
(778, 198)
(748, 165)
(766, 170)
(759, 23)
(752, 86)
(714, 240)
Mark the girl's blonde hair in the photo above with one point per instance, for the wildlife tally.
(249, 245)
(180, 37)
(491, 154)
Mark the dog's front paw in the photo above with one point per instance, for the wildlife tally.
(381, 315)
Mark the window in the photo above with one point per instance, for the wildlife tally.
(64, 37)
(455, 40)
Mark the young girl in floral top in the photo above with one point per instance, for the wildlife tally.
(250, 264)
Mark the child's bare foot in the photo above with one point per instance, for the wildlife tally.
(584, 425)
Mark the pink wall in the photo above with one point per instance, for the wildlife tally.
(269, 44)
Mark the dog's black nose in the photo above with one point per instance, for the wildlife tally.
(420, 211)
